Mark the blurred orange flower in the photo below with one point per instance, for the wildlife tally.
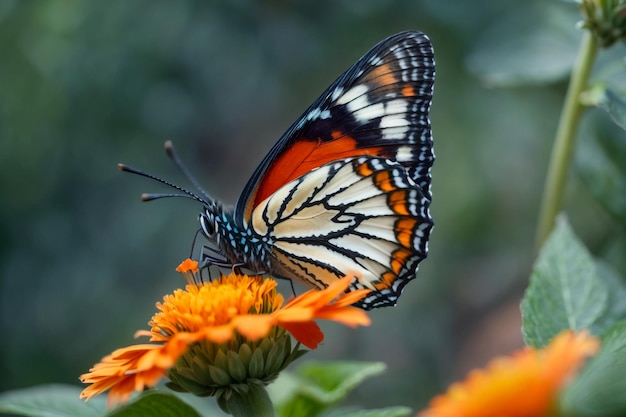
(524, 384)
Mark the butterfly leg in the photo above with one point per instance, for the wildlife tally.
(193, 243)
(208, 260)
(293, 290)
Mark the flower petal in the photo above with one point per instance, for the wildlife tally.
(308, 333)
(351, 298)
(218, 334)
(318, 298)
(350, 316)
(187, 266)
(526, 383)
(118, 372)
(254, 327)
(295, 314)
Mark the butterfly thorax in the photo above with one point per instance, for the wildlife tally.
(236, 242)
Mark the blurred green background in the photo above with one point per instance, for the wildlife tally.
(86, 84)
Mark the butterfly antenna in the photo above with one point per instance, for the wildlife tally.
(156, 196)
(150, 197)
(171, 152)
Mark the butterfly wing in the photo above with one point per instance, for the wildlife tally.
(362, 217)
(378, 107)
(346, 190)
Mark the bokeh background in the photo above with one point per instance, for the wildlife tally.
(87, 84)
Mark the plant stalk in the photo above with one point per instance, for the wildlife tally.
(253, 403)
(563, 147)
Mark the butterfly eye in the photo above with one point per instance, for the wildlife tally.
(207, 223)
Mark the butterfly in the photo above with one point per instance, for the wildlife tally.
(346, 190)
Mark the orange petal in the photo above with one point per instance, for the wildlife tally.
(254, 327)
(218, 334)
(527, 383)
(187, 266)
(119, 373)
(350, 316)
(294, 314)
(319, 298)
(308, 333)
(351, 298)
(140, 333)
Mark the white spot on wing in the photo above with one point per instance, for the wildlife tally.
(338, 91)
(370, 112)
(393, 120)
(351, 94)
(318, 114)
(404, 154)
(395, 133)
(398, 106)
(376, 61)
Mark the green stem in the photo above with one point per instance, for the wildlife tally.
(565, 136)
(253, 403)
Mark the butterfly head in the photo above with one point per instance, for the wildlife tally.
(208, 221)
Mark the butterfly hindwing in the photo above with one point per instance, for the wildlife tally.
(362, 217)
(378, 107)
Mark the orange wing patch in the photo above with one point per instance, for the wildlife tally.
(408, 91)
(397, 201)
(404, 229)
(364, 170)
(304, 156)
(381, 75)
(399, 258)
(386, 281)
(384, 181)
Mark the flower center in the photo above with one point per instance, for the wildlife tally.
(215, 303)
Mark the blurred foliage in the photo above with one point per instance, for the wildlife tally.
(84, 85)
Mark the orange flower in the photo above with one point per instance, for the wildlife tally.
(231, 316)
(524, 384)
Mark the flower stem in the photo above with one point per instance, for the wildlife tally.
(253, 403)
(564, 140)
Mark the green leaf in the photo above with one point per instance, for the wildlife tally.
(316, 386)
(565, 291)
(609, 100)
(53, 400)
(205, 406)
(534, 47)
(616, 302)
(383, 412)
(155, 403)
(600, 388)
(601, 163)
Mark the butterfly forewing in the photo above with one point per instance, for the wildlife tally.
(378, 107)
